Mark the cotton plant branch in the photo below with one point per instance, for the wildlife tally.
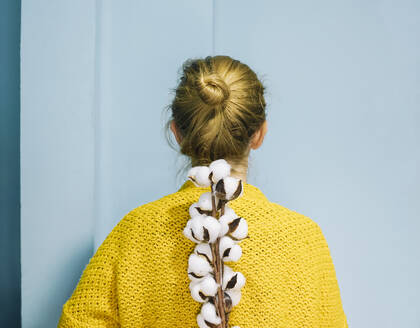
(217, 232)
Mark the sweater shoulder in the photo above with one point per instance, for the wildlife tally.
(293, 223)
(167, 207)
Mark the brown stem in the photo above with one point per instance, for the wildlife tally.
(222, 211)
(217, 264)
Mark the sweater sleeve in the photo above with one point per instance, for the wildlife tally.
(94, 301)
(331, 313)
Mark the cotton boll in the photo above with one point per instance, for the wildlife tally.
(200, 321)
(228, 188)
(235, 295)
(209, 286)
(241, 280)
(225, 243)
(233, 280)
(224, 221)
(199, 175)
(213, 228)
(220, 169)
(193, 211)
(187, 233)
(195, 291)
(238, 228)
(208, 310)
(234, 254)
(204, 249)
(192, 173)
(204, 202)
(196, 226)
(227, 270)
(188, 230)
(204, 288)
(229, 250)
(198, 266)
(227, 275)
(202, 176)
(229, 211)
(204, 228)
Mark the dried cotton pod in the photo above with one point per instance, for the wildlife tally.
(235, 227)
(229, 250)
(233, 280)
(199, 175)
(229, 211)
(212, 226)
(194, 229)
(202, 228)
(219, 169)
(205, 203)
(198, 267)
(203, 289)
(195, 210)
(235, 295)
(204, 249)
(208, 311)
(204, 324)
(228, 188)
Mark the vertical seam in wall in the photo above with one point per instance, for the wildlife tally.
(96, 119)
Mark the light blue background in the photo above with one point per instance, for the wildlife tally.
(343, 94)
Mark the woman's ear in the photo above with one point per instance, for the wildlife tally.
(176, 133)
(258, 137)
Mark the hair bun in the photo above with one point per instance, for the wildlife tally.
(212, 89)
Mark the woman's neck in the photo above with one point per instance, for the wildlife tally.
(239, 171)
(238, 168)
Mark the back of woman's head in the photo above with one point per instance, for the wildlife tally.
(218, 105)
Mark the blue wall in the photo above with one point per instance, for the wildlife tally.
(10, 277)
(343, 135)
(342, 143)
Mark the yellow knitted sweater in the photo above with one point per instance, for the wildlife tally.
(138, 276)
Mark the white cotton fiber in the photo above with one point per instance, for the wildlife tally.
(193, 211)
(208, 310)
(234, 254)
(231, 185)
(200, 321)
(241, 280)
(213, 227)
(235, 295)
(198, 265)
(225, 243)
(195, 291)
(192, 225)
(196, 226)
(209, 286)
(224, 220)
(204, 202)
(235, 251)
(206, 286)
(204, 249)
(229, 211)
(220, 169)
(229, 276)
(241, 230)
(199, 175)
(187, 233)
(227, 270)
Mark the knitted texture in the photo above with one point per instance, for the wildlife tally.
(138, 276)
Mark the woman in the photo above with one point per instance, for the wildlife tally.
(138, 276)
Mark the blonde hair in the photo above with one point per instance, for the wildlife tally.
(218, 105)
